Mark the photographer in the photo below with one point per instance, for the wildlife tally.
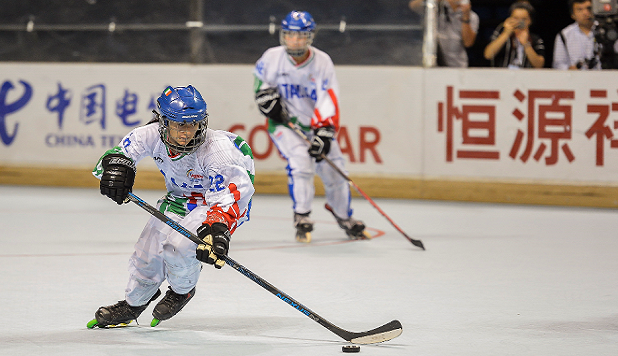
(458, 26)
(512, 45)
(574, 47)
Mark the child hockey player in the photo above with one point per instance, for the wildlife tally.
(296, 83)
(209, 180)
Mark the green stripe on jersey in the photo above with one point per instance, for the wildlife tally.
(257, 84)
(243, 146)
(173, 204)
(177, 157)
(272, 125)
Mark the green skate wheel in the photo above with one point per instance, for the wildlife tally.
(91, 324)
(155, 322)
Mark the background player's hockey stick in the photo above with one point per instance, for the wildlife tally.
(383, 333)
(303, 135)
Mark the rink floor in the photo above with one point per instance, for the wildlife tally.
(494, 280)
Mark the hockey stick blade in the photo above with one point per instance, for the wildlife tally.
(383, 333)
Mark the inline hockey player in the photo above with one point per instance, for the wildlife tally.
(209, 180)
(296, 83)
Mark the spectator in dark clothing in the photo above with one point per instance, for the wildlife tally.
(512, 45)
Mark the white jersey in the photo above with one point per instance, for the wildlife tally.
(310, 89)
(219, 174)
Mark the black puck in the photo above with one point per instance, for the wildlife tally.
(350, 348)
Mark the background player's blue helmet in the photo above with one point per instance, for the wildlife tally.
(298, 21)
(301, 24)
(183, 105)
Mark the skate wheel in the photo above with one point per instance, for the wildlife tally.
(362, 236)
(305, 238)
(155, 322)
(91, 324)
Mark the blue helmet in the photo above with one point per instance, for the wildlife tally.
(300, 24)
(298, 21)
(183, 105)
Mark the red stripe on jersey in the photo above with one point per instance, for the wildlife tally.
(193, 199)
(317, 121)
(216, 214)
(335, 118)
(234, 191)
(229, 217)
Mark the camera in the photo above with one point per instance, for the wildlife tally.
(605, 7)
(606, 31)
(521, 25)
(588, 63)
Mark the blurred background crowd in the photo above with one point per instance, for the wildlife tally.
(379, 32)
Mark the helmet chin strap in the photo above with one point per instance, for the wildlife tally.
(299, 58)
(298, 53)
(173, 144)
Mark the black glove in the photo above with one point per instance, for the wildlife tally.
(270, 104)
(320, 144)
(118, 177)
(216, 239)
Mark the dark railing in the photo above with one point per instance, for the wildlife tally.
(381, 32)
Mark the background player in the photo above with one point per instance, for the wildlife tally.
(296, 83)
(209, 180)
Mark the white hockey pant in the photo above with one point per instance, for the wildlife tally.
(302, 168)
(162, 253)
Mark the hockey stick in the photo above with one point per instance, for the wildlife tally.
(383, 333)
(303, 135)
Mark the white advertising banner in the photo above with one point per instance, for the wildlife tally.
(539, 125)
(67, 115)
(521, 124)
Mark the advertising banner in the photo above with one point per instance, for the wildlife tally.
(68, 115)
(496, 124)
(514, 124)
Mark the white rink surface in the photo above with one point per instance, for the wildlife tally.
(495, 280)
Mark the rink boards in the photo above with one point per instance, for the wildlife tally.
(533, 136)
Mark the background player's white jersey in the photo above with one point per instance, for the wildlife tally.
(310, 89)
(219, 174)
